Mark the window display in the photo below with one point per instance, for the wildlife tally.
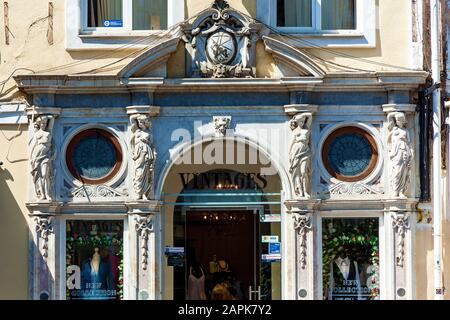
(94, 257)
(350, 259)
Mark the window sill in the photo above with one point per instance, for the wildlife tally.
(119, 34)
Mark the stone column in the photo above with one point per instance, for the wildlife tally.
(302, 213)
(43, 256)
(144, 226)
(399, 224)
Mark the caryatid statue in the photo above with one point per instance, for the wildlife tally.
(143, 155)
(42, 156)
(300, 153)
(400, 153)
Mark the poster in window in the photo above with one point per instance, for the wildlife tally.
(94, 260)
(350, 259)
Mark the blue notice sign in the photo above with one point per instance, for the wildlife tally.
(113, 23)
(274, 248)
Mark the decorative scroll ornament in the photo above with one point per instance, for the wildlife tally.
(143, 156)
(42, 156)
(144, 226)
(300, 154)
(100, 191)
(302, 224)
(43, 229)
(400, 224)
(221, 125)
(400, 153)
(222, 42)
(358, 188)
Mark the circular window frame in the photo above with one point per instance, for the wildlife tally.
(353, 130)
(87, 133)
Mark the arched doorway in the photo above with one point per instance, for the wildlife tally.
(227, 219)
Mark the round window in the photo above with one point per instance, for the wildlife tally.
(94, 156)
(349, 154)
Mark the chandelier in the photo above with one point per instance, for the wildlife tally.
(223, 217)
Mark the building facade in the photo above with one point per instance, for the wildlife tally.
(274, 146)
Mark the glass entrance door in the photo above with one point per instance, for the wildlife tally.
(221, 251)
(230, 254)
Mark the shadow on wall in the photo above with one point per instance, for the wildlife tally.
(13, 243)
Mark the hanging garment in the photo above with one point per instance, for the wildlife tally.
(196, 286)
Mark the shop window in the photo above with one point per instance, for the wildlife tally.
(127, 14)
(94, 260)
(350, 154)
(350, 259)
(94, 156)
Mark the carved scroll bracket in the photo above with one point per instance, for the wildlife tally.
(44, 228)
(302, 225)
(400, 224)
(144, 227)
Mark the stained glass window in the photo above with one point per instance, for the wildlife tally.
(94, 156)
(349, 154)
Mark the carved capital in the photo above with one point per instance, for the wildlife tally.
(151, 111)
(302, 225)
(400, 224)
(43, 230)
(293, 109)
(144, 227)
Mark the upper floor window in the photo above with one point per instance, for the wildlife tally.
(316, 14)
(126, 14)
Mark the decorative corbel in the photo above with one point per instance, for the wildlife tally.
(400, 223)
(43, 229)
(144, 227)
(221, 125)
(302, 224)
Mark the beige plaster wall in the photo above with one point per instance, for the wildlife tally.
(13, 218)
(29, 48)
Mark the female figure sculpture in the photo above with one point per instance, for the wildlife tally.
(300, 153)
(41, 156)
(143, 155)
(400, 153)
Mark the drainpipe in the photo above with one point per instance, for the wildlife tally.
(437, 196)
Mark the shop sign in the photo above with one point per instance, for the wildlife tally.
(275, 248)
(112, 23)
(270, 239)
(271, 257)
(270, 218)
(169, 250)
(175, 256)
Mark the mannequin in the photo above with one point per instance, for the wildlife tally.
(196, 283)
(213, 265)
(97, 277)
(95, 262)
(345, 283)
